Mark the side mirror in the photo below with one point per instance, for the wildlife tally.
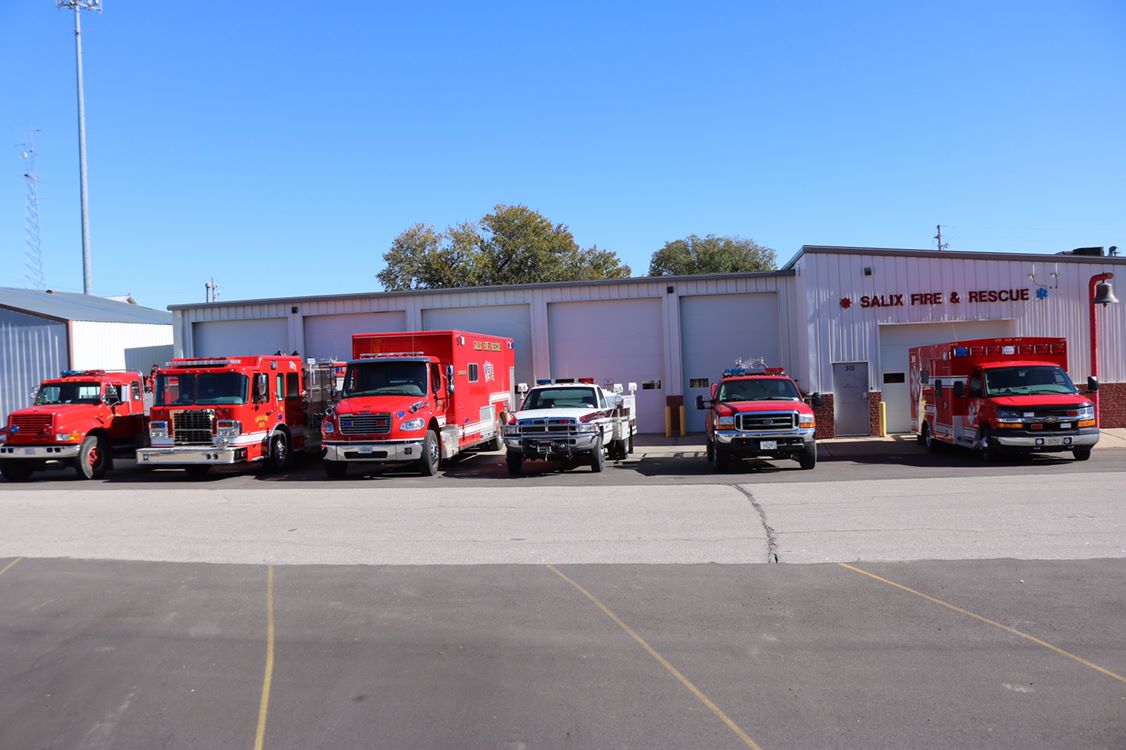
(450, 379)
(700, 401)
(960, 389)
(816, 400)
(938, 388)
(1092, 384)
(112, 399)
(261, 388)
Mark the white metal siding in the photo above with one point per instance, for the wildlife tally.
(235, 337)
(513, 321)
(617, 340)
(31, 349)
(330, 336)
(718, 329)
(119, 346)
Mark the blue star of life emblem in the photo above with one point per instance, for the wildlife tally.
(1041, 293)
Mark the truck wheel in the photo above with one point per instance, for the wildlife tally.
(1081, 454)
(335, 469)
(93, 458)
(278, 457)
(987, 449)
(431, 453)
(597, 459)
(934, 446)
(514, 461)
(808, 457)
(629, 442)
(197, 471)
(16, 471)
(722, 458)
(709, 452)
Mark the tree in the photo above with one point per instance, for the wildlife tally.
(511, 245)
(699, 255)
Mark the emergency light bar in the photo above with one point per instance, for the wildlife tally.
(206, 362)
(83, 373)
(564, 381)
(389, 355)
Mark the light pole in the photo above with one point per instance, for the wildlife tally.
(1099, 292)
(81, 5)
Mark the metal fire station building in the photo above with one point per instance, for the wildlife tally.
(839, 319)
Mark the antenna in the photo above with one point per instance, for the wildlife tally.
(941, 245)
(211, 289)
(81, 5)
(33, 252)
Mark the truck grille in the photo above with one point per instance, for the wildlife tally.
(192, 426)
(365, 424)
(33, 424)
(780, 420)
(537, 427)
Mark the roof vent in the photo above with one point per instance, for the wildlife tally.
(1094, 252)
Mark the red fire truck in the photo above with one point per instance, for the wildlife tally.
(1000, 395)
(757, 410)
(228, 410)
(82, 418)
(419, 397)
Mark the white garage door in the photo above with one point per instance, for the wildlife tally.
(716, 330)
(330, 336)
(895, 340)
(229, 338)
(618, 340)
(513, 321)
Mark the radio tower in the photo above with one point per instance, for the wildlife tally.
(33, 253)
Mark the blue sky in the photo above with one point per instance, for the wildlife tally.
(280, 147)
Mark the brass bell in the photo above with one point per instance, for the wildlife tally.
(1104, 294)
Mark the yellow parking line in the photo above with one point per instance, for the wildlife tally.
(9, 566)
(987, 621)
(264, 708)
(662, 661)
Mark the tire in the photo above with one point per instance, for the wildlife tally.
(197, 471)
(94, 458)
(932, 445)
(431, 454)
(497, 443)
(1081, 454)
(278, 457)
(514, 461)
(629, 442)
(987, 450)
(16, 471)
(709, 452)
(335, 469)
(597, 458)
(722, 459)
(808, 457)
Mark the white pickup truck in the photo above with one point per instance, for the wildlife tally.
(568, 420)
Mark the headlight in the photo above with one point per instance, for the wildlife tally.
(411, 425)
(3, 436)
(1008, 415)
(67, 437)
(228, 428)
(158, 429)
(588, 428)
(1087, 412)
(725, 421)
(805, 420)
(511, 430)
(328, 427)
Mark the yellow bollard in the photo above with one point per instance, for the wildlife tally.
(883, 419)
(668, 421)
(683, 423)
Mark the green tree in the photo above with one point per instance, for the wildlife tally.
(695, 255)
(511, 245)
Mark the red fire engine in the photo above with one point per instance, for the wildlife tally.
(1000, 395)
(419, 397)
(82, 418)
(757, 410)
(229, 410)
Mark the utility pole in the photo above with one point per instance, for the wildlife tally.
(941, 245)
(33, 253)
(78, 6)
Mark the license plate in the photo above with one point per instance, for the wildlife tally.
(29, 451)
(768, 445)
(365, 448)
(1053, 441)
(1065, 425)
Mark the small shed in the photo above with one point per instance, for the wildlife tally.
(45, 332)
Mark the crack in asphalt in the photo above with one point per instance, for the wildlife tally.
(771, 541)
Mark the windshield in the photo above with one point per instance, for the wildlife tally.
(200, 388)
(759, 389)
(69, 393)
(385, 379)
(561, 398)
(1027, 381)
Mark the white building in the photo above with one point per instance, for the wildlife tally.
(839, 319)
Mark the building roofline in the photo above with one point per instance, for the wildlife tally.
(952, 255)
(497, 288)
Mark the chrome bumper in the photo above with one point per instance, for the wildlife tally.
(1066, 442)
(563, 444)
(40, 452)
(726, 437)
(190, 455)
(387, 450)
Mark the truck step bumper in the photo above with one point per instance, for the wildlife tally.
(190, 456)
(390, 452)
(1047, 442)
(39, 452)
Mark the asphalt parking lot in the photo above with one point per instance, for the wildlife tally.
(935, 602)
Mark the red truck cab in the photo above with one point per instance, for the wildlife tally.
(82, 418)
(998, 396)
(417, 398)
(758, 411)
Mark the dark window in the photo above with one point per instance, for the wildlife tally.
(473, 373)
(697, 382)
(894, 377)
(292, 385)
(136, 390)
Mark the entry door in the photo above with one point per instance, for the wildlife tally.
(850, 397)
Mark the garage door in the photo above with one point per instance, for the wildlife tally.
(330, 336)
(617, 340)
(715, 330)
(895, 340)
(513, 321)
(228, 338)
